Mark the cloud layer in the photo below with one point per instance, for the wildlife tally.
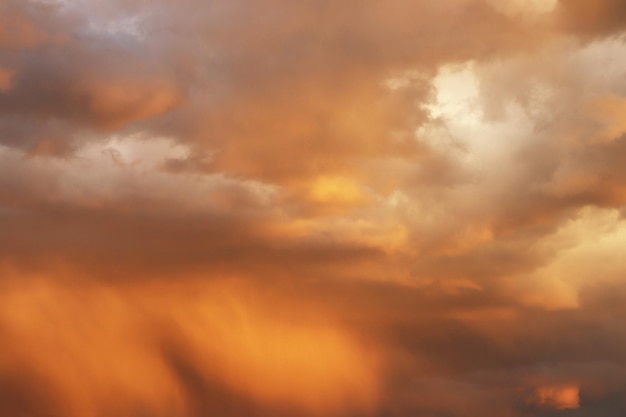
(317, 208)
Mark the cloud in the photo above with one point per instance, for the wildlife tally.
(558, 398)
(311, 208)
(119, 345)
(592, 19)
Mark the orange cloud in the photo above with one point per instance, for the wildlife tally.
(6, 77)
(316, 208)
(106, 349)
(558, 397)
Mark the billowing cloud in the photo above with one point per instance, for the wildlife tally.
(355, 208)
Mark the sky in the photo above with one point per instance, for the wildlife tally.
(312, 208)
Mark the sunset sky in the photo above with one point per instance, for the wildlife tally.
(312, 208)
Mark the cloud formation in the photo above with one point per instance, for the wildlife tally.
(355, 208)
